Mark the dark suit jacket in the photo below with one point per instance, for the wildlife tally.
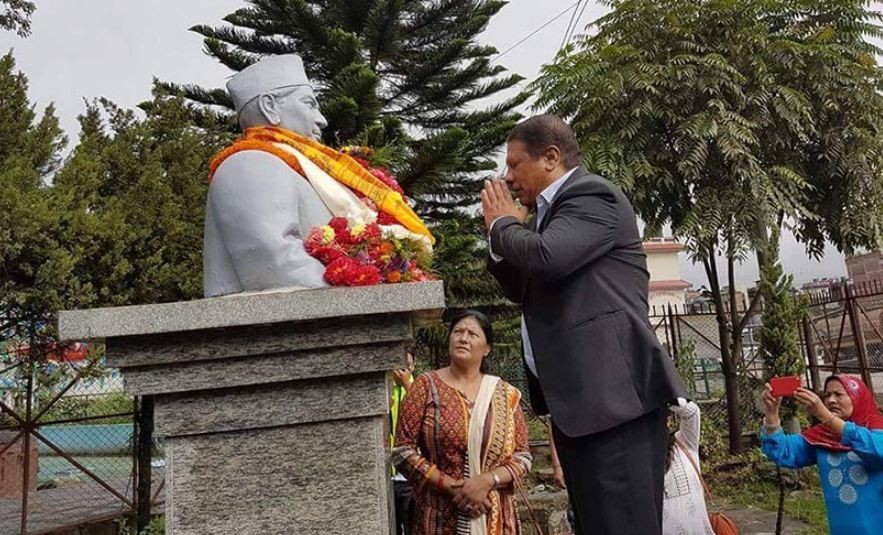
(582, 281)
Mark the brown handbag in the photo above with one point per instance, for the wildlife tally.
(721, 524)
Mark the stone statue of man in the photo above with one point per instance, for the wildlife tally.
(259, 208)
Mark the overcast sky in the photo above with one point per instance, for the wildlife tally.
(92, 48)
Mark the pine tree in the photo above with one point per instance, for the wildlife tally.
(36, 275)
(15, 15)
(29, 155)
(118, 222)
(140, 185)
(778, 337)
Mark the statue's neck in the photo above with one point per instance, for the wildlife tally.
(279, 131)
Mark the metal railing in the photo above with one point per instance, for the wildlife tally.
(69, 440)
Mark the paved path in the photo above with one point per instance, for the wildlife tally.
(68, 506)
(755, 521)
(550, 504)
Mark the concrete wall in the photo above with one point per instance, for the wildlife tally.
(663, 266)
(866, 267)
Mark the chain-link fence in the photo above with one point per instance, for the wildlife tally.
(68, 440)
(845, 333)
(691, 335)
(841, 333)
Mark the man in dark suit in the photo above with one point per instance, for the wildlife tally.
(593, 361)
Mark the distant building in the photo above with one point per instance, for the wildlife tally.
(824, 288)
(667, 287)
(742, 296)
(865, 268)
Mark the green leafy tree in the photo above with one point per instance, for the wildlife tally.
(142, 186)
(38, 274)
(118, 222)
(30, 148)
(723, 118)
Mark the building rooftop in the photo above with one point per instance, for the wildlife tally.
(657, 286)
(658, 245)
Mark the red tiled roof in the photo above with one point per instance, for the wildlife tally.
(669, 285)
(662, 246)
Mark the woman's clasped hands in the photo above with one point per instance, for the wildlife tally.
(472, 495)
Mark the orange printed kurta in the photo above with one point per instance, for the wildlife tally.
(431, 440)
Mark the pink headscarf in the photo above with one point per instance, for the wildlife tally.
(864, 413)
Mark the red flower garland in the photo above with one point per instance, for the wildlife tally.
(363, 256)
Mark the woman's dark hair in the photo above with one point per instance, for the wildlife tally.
(482, 321)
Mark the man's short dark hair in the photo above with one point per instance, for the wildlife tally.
(541, 132)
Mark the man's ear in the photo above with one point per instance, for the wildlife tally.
(267, 105)
(551, 158)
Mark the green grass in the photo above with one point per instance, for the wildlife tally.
(536, 429)
(157, 527)
(803, 499)
(92, 406)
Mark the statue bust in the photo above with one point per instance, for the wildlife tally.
(259, 208)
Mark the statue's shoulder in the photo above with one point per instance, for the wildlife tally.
(254, 162)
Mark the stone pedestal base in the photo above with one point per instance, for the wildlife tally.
(275, 406)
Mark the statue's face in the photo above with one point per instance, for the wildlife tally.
(299, 112)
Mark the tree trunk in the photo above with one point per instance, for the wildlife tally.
(735, 320)
(144, 451)
(734, 426)
(780, 510)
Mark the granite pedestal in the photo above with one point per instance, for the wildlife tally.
(274, 405)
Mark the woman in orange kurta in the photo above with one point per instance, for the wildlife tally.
(462, 441)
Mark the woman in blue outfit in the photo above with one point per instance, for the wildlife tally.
(847, 446)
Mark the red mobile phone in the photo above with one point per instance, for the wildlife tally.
(785, 386)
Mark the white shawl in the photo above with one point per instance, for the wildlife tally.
(478, 526)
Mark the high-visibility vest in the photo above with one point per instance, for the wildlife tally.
(398, 394)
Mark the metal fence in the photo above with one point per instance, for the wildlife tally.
(691, 336)
(841, 333)
(69, 441)
(844, 334)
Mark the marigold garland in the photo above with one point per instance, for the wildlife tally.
(385, 198)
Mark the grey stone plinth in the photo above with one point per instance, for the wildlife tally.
(249, 309)
(274, 405)
(308, 479)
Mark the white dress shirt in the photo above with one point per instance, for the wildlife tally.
(544, 201)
